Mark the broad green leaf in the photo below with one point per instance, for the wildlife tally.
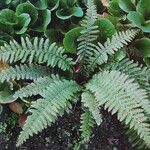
(143, 45)
(114, 8)
(70, 40)
(1, 109)
(8, 17)
(6, 97)
(44, 18)
(22, 26)
(106, 29)
(53, 34)
(137, 20)
(126, 5)
(52, 5)
(143, 7)
(29, 9)
(68, 13)
(40, 4)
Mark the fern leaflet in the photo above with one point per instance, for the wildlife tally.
(120, 94)
(101, 52)
(56, 100)
(40, 51)
(31, 72)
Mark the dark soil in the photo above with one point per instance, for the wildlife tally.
(64, 134)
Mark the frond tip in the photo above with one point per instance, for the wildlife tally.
(121, 95)
(87, 125)
(56, 100)
(101, 52)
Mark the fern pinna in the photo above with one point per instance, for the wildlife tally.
(122, 88)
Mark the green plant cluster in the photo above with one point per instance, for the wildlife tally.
(97, 63)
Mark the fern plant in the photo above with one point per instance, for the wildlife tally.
(121, 88)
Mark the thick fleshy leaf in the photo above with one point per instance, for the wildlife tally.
(143, 45)
(53, 34)
(16, 107)
(106, 29)
(6, 97)
(27, 8)
(22, 26)
(40, 4)
(44, 18)
(114, 8)
(54, 4)
(1, 109)
(8, 17)
(126, 5)
(143, 7)
(137, 20)
(70, 40)
(68, 13)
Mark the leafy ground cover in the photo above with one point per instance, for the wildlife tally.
(74, 74)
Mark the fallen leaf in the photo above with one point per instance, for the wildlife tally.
(22, 119)
(16, 107)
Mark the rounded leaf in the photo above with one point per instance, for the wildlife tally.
(70, 40)
(22, 26)
(27, 8)
(44, 18)
(143, 7)
(6, 97)
(106, 29)
(8, 17)
(143, 45)
(126, 5)
(16, 107)
(68, 13)
(40, 4)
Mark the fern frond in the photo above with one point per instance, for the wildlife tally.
(87, 125)
(135, 140)
(121, 95)
(40, 51)
(56, 100)
(140, 73)
(89, 32)
(24, 71)
(101, 52)
(37, 87)
(91, 103)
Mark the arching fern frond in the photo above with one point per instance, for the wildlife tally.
(121, 95)
(87, 125)
(37, 87)
(56, 100)
(40, 51)
(135, 140)
(140, 73)
(91, 103)
(30, 71)
(89, 32)
(101, 52)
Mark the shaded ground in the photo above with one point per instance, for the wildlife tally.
(64, 135)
